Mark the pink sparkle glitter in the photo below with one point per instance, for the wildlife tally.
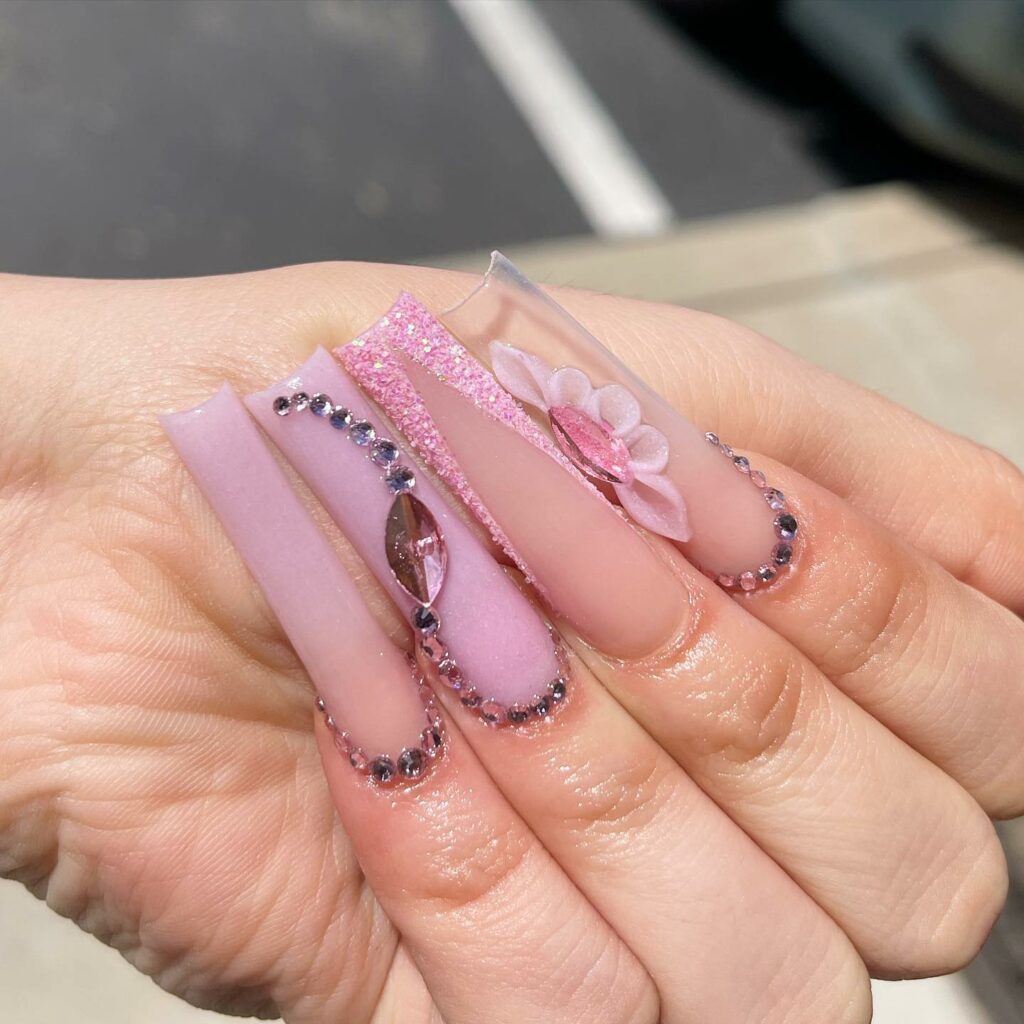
(410, 328)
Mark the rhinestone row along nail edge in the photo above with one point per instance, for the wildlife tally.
(424, 619)
(785, 524)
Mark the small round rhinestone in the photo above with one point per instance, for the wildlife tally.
(766, 573)
(757, 478)
(425, 620)
(748, 580)
(330, 723)
(450, 673)
(786, 526)
(382, 769)
(726, 580)
(470, 698)
(518, 713)
(431, 741)
(362, 433)
(712, 438)
(782, 553)
(492, 712)
(358, 759)
(433, 649)
(320, 705)
(411, 763)
(300, 401)
(558, 691)
(320, 405)
(282, 405)
(776, 499)
(542, 707)
(340, 418)
(383, 452)
(742, 463)
(401, 480)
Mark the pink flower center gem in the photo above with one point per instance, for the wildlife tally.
(591, 445)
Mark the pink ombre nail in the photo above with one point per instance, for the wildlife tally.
(382, 720)
(672, 478)
(585, 558)
(486, 640)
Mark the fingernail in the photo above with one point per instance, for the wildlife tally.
(382, 720)
(474, 627)
(589, 563)
(669, 475)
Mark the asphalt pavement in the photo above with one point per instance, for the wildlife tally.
(172, 138)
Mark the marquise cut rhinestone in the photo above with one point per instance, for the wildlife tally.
(416, 552)
(591, 446)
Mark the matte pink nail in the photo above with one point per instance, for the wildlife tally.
(488, 642)
(585, 558)
(366, 684)
(668, 475)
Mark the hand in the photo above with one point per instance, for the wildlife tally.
(161, 784)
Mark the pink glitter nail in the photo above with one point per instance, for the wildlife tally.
(411, 329)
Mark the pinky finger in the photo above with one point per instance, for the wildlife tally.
(498, 932)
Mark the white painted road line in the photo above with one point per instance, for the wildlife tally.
(607, 180)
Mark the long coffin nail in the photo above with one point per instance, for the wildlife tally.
(479, 633)
(381, 715)
(584, 557)
(669, 475)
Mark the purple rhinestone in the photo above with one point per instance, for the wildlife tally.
(384, 452)
(425, 620)
(757, 478)
(282, 405)
(320, 405)
(382, 769)
(782, 553)
(411, 763)
(742, 463)
(340, 418)
(776, 499)
(748, 581)
(362, 433)
(492, 712)
(518, 713)
(558, 691)
(786, 526)
(400, 480)
(542, 707)
(712, 438)
(766, 574)
(300, 401)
